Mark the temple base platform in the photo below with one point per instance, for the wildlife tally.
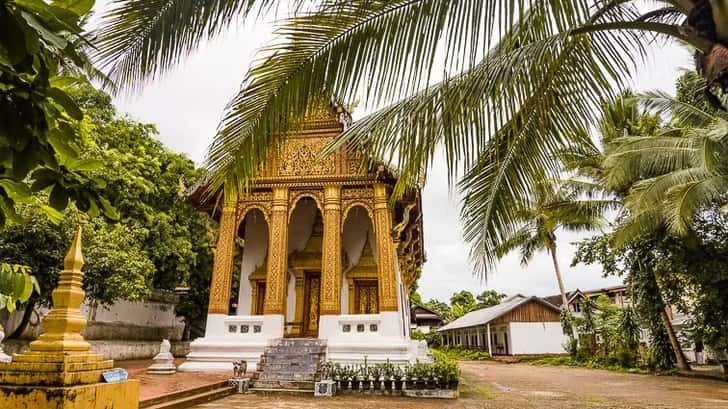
(349, 339)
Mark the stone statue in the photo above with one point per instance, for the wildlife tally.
(239, 368)
(3, 356)
(163, 361)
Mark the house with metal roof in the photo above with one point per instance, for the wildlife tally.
(519, 325)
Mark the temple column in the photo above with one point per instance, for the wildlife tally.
(222, 273)
(276, 278)
(331, 257)
(385, 250)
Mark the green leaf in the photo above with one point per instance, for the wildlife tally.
(108, 209)
(44, 33)
(66, 102)
(55, 216)
(78, 7)
(59, 197)
(84, 165)
(58, 138)
(17, 191)
(42, 178)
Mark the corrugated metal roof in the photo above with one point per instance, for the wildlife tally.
(486, 315)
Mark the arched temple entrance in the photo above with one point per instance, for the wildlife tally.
(326, 253)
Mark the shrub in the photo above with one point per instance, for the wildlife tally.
(460, 354)
(417, 335)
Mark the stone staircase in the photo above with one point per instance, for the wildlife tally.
(290, 365)
(188, 397)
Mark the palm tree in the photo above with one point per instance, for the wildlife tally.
(555, 206)
(500, 114)
(618, 168)
(674, 175)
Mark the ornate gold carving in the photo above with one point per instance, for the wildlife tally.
(331, 263)
(313, 303)
(298, 195)
(299, 157)
(275, 292)
(385, 250)
(223, 265)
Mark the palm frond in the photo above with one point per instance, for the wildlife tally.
(139, 40)
(682, 113)
(686, 199)
(383, 48)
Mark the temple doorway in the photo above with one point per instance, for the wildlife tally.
(312, 298)
(366, 300)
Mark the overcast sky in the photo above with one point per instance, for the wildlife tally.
(186, 105)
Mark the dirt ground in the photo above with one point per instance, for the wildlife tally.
(503, 386)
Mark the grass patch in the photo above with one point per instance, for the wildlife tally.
(594, 401)
(568, 361)
(461, 354)
(477, 392)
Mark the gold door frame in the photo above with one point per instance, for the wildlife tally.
(311, 304)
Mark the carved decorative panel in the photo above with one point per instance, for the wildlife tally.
(299, 158)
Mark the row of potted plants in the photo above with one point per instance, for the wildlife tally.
(442, 374)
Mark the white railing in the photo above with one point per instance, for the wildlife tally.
(243, 325)
(360, 324)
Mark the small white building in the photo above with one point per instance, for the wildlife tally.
(519, 325)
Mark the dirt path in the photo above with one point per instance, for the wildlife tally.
(527, 386)
(521, 386)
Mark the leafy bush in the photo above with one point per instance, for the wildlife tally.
(460, 354)
(417, 335)
(444, 371)
(592, 364)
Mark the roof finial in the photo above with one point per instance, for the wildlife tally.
(74, 258)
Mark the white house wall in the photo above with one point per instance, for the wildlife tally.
(536, 338)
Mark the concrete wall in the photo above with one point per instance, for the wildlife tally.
(117, 350)
(536, 338)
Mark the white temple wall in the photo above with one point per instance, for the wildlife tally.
(300, 224)
(352, 239)
(352, 243)
(256, 247)
(291, 298)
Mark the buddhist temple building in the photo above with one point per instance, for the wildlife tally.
(320, 251)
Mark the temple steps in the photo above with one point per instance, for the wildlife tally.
(290, 365)
(188, 397)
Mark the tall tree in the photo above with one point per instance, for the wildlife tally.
(489, 298)
(41, 58)
(159, 241)
(501, 115)
(556, 206)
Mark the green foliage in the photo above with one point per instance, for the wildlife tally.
(567, 361)
(16, 285)
(489, 298)
(433, 338)
(438, 306)
(160, 241)
(460, 354)
(39, 142)
(444, 372)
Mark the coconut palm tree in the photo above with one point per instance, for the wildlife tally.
(518, 79)
(555, 206)
(674, 175)
(615, 170)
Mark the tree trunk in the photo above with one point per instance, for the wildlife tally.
(564, 300)
(682, 363)
(27, 313)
